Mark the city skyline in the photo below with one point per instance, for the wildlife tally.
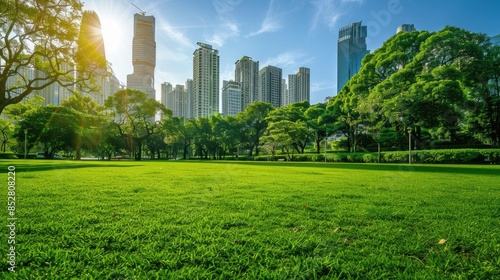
(285, 34)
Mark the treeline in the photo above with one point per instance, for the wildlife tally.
(442, 87)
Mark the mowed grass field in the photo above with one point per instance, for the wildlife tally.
(252, 220)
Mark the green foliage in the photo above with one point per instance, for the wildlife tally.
(134, 115)
(39, 35)
(56, 128)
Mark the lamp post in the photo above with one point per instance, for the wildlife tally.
(326, 139)
(25, 142)
(409, 145)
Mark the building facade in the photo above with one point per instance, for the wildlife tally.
(176, 99)
(143, 55)
(231, 98)
(205, 101)
(406, 27)
(247, 74)
(350, 52)
(299, 86)
(270, 83)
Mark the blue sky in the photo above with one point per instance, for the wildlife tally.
(283, 33)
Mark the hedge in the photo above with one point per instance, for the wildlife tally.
(464, 156)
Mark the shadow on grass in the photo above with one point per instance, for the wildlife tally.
(42, 165)
(492, 170)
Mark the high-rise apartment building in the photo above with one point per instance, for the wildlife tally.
(285, 96)
(205, 101)
(299, 86)
(247, 73)
(189, 90)
(406, 27)
(270, 83)
(351, 50)
(292, 83)
(91, 44)
(143, 55)
(231, 98)
(176, 99)
(166, 98)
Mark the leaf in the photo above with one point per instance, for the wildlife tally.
(442, 241)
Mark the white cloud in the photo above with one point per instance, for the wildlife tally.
(229, 29)
(288, 59)
(328, 12)
(274, 18)
(174, 34)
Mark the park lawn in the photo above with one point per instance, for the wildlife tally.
(253, 220)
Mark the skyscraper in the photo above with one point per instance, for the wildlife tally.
(299, 86)
(270, 85)
(247, 73)
(143, 55)
(351, 50)
(189, 90)
(205, 101)
(91, 45)
(176, 99)
(406, 27)
(231, 98)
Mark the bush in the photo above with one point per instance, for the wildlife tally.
(463, 156)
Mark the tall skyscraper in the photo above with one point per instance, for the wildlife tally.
(143, 55)
(290, 94)
(247, 73)
(351, 50)
(299, 86)
(176, 99)
(166, 89)
(91, 45)
(405, 27)
(189, 90)
(205, 81)
(231, 98)
(270, 85)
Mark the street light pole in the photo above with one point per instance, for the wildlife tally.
(409, 145)
(25, 142)
(326, 138)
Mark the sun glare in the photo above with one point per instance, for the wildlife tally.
(112, 34)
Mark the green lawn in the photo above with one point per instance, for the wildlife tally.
(252, 220)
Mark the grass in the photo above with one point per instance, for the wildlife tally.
(253, 220)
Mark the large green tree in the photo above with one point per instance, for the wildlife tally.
(55, 128)
(91, 117)
(134, 115)
(40, 36)
(254, 123)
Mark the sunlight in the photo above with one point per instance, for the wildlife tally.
(112, 33)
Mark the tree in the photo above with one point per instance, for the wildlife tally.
(295, 113)
(178, 134)
(134, 115)
(54, 127)
(286, 134)
(107, 139)
(317, 123)
(254, 123)
(40, 36)
(90, 117)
